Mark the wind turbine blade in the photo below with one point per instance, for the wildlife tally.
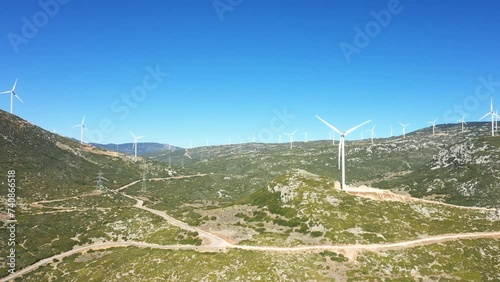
(5, 92)
(329, 125)
(356, 127)
(83, 120)
(491, 105)
(15, 83)
(77, 125)
(485, 116)
(86, 128)
(293, 133)
(133, 135)
(140, 137)
(19, 98)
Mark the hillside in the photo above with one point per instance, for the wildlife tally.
(143, 148)
(389, 163)
(58, 203)
(300, 208)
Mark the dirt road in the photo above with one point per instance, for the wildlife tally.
(213, 242)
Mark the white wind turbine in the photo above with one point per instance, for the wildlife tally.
(291, 137)
(492, 113)
(463, 123)
(12, 94)
(496, 120)
(305, 137)
(404, 128)
(372, 132)
(332, 137)
(82, 126)
(433, 125)
(342, 144)
(134, 145)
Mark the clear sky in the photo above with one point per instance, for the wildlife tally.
(234, 66)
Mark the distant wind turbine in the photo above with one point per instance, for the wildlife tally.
(404, 128)
(82, 126)
(492, 113)
(279, 137)
(134, 145)
(496, 120)
(433, 125)
(291, 137)
(372, 132)
(12, 94)
(463, 123)
(342, 144)
(305, 137)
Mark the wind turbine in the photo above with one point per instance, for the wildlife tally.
(372, 132)
(496, 120)
(305, 137)
(82, 126)
(291, 137)
(342, 144)
(404, 128)
(12, 94)
(433, 125)
(331, 136)
(134, 145)
(463, 122)
(492, 113)
(279, 138)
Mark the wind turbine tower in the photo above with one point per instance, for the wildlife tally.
(463, 123)
(291, 137)
(372, 132)
(12, 94)
(492, 113)
(404, 129)
(82, 126)
(433, 126)
(342, 144)
(134, 145)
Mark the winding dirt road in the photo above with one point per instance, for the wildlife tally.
(213, 242)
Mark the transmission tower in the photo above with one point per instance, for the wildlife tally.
(100, 179)
(143, 182)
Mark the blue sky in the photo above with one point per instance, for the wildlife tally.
(230, 71)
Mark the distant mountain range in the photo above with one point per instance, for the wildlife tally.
(146, 148)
